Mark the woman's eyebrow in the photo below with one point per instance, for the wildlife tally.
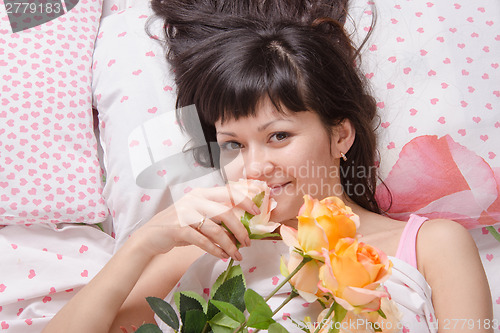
(260, 128)
(266, 125)
(226, 133)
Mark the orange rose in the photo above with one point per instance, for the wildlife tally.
(305, 281)
(364, 322)
(322, 223)
(353, 274)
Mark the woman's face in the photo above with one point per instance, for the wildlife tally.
(291, 152)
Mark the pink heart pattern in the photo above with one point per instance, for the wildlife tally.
(444, 61)
(50, 170)
(40, 280)
(447, 57)
(122, 110)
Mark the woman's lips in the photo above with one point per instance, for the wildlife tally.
(278, 188)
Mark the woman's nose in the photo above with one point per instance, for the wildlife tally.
(257, 164)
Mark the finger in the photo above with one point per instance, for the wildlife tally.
(217, 212)
(233, 223)
(219, 236)
(220, 213)
(242, 191)
(233, 197)
(190, 236)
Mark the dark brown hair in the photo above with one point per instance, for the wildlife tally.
(300, 65)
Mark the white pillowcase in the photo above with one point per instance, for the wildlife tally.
(135, 96)
(434, 66)
(49, 171)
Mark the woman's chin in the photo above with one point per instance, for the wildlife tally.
(282, 218)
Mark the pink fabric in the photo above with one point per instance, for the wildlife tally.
(408, 242)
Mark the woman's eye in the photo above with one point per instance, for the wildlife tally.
(230, 145)
(279, 136)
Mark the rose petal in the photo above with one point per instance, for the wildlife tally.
(306, 279)
(369, 299)
(447, 181)
(311, 235)
(289, 236)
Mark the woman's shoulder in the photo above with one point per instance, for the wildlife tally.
(440, 242)
(443, 233)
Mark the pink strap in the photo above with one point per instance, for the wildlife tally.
(407, 248)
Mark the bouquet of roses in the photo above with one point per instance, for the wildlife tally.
(326, 264)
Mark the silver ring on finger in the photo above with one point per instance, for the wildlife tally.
(198, 227)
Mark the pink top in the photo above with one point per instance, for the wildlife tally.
(407, 248)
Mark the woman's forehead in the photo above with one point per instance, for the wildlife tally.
(263, 110)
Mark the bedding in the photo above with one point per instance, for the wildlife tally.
(49, 171)
(135, 95)
(434, 68)
(50, 177)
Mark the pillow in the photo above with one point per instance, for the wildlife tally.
(114, 6)
(142, 143)
(435, 70)
(49, 171)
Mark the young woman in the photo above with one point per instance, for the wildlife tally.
(282, 100)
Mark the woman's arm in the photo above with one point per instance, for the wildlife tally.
(449, 260)
(96, 306)
(159, 277)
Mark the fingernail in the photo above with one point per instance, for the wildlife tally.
(248, 242)
(255, 210)
(238, 256)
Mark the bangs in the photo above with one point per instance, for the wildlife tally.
(260, 67)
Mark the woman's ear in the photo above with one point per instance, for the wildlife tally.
(342, 138)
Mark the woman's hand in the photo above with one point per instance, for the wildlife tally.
(197, 218)
(178, 225)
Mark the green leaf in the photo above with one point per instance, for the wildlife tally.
(221, 323)
(164, 311)
(259, 198)
(260, 313)
(195, 321)
(260, 236)
(245, 220)
(229, 310)
(196, 296)
(233, 271)
(148, 328)
(338, 315)
(381, 313)
(253, 300)
(260, 317)
(277, 328)
(283, 267)
(232, 291)
(221, 329)
(187, 304)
